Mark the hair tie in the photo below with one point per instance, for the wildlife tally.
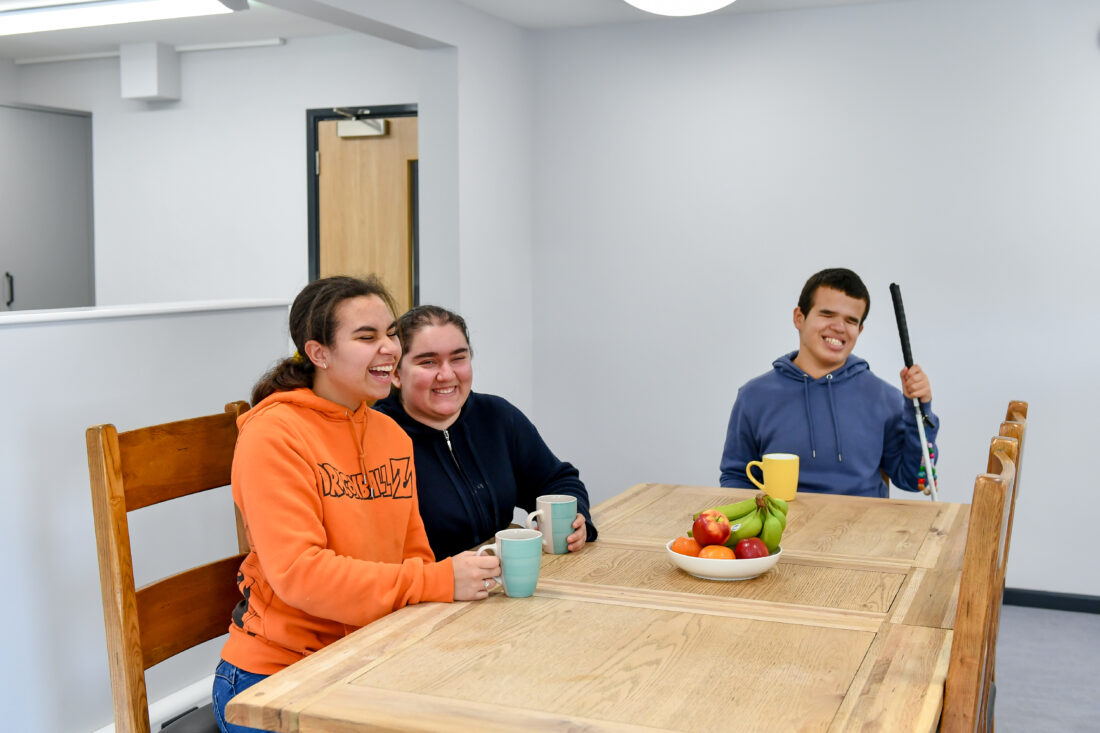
(297, 357)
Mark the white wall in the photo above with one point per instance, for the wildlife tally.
(7, 80)
(690, 174)
(62, 377)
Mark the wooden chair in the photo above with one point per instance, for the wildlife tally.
(1014, 428)
(145, 626)
(969, 690)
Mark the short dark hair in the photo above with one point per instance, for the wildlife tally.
(416, 319)
(313, 318)
(837, 278)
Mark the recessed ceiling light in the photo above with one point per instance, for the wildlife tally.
(35, 17)
(679, 7)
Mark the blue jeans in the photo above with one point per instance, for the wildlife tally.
(228, 682)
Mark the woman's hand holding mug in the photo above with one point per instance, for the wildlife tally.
(474, 575)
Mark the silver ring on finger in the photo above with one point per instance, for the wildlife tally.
(486, 581)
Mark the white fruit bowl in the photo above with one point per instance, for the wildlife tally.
(717, 569)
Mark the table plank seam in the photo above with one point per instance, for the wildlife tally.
(851, 620)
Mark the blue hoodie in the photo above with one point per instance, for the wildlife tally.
(845, 427)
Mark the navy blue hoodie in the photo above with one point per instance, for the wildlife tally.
(471, 476)
(845, 427)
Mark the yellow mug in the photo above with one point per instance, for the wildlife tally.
(780, 474)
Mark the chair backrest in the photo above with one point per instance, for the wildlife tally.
(1014, 426)
(967, 691)
(145, 626)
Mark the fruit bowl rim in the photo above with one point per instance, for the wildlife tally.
(714, 568)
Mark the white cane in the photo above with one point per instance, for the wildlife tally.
(929, 475)
(907, 354)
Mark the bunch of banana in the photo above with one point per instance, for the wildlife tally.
(774, 523)
(759, 516)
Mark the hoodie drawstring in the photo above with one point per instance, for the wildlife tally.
(832, 413)
(809, 414)
(836, 425)
(359, 447)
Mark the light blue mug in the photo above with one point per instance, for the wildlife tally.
(556, 514)
(520, 553)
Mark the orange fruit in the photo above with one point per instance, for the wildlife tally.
(716, 552)
(686, 546)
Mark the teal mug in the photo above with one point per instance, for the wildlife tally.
(520, 553)
(556, 514)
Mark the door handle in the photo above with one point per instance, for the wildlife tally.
(11, 289)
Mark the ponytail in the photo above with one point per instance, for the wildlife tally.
(294, 372)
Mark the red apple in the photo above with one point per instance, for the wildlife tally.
(711, 528)
(750, 547)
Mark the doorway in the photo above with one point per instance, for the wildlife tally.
(46, 220)
(363, 195)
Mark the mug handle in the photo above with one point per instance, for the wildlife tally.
(748, 472)
(530, 521)
(493, 549)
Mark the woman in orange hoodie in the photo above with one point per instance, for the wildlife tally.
(327, 490)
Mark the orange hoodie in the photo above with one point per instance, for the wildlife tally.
(329, 503)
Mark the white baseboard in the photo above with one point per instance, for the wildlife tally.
(170, 706)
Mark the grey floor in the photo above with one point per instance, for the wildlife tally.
(1048, 671)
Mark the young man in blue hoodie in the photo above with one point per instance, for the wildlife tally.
(847, 426)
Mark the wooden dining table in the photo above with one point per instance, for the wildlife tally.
(851, 630)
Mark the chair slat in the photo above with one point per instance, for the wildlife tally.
(169, 461)
(188, 608)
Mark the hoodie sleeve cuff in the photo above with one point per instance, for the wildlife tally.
(439, 581)
(927, 408)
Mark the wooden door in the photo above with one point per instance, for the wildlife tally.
(366, 204)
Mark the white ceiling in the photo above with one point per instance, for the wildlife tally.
(263, 22)
(546, 14)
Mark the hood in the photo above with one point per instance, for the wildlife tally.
(785, 366)
(308, 399)
(323, 409)
(392, 407)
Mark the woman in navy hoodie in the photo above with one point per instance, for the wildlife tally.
(477, 456)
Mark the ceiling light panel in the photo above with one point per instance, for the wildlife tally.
(65, 14)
